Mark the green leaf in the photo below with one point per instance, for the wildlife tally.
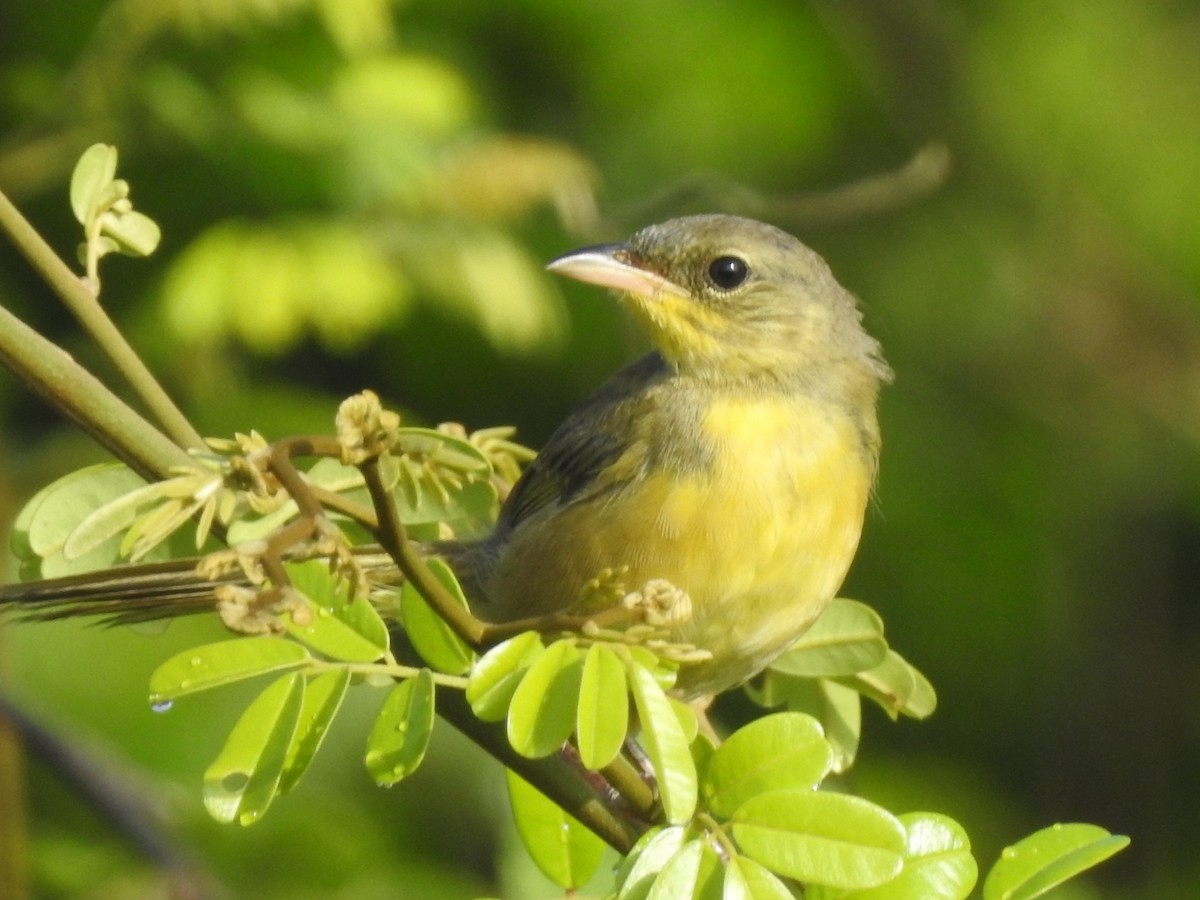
(688, 720)
(776, 752)
(821, 838)
(847, 638)
(444, 451)
(747, 880)
(91, 179)
(494, 678)
(49, 518)
(110, 519)
(330, 622)
(564, 850)
(665, 743)
(441, 478)
(543, 710)
(436, 641)
(653, 850)
(225, 662)
(400, 735)
(694, 873)
(322, 699)
(603, 715)
(938, 865)
(1047, 858)
(838, 708)
(135, 233)
(666, 671)
(244, 778)
(897, 686)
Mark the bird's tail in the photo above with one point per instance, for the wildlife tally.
(120, 595)
(147, 591)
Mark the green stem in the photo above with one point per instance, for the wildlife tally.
(80, 396)
(391, 670)
(629, 783)
(95, 320)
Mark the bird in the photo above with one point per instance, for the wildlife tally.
(734, 462)
(729, 469)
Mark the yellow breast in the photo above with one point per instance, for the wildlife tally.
(767, 535)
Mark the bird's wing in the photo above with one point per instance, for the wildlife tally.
(585, 456)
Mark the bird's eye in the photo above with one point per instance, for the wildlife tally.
(727, 272)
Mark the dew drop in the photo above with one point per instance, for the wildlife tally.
(1009, 853)
(197, 661)
(160, 706)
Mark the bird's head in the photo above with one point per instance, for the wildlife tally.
(728, 299)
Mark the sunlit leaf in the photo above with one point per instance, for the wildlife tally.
(436, 641)
(1036, 864)
(322, 699)
(746, 879)
(244, 778)
(48, 519)
(694, 873)
(603, 715)
(897, 686)
(822, 838)
(225, 662)
(688, 720)
(847, 638)
(91, 179)
(135, 234)
(838, 708)
(566, 852)
(665, 744)
(938, 865)
(494, 678)
(776, 752)
(666, 672)
(636, 874)
(110, 519)
(400, 735)
(542, 713)
(328, 622)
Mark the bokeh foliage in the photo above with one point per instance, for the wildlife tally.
(1034, 550)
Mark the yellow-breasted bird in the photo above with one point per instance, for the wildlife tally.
(734, 462)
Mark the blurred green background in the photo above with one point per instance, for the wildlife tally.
(357, 193)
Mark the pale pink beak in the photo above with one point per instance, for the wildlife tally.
(606, 265)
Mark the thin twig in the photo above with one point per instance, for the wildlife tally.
(91, 315)
(923, 173)
(395, 542)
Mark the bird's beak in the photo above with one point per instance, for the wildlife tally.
(612, 266)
